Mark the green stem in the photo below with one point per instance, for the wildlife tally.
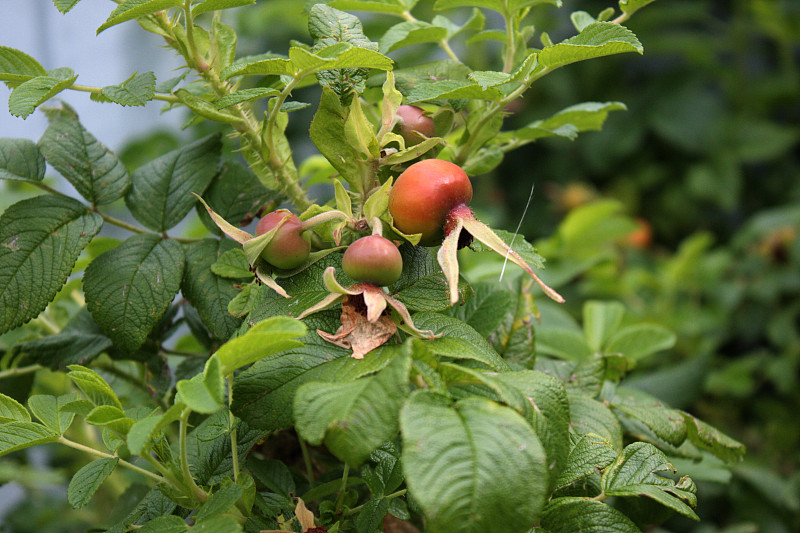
(508, 62)
(397, 494)
(122, 462)
(184, 458)
(19, 371)
(442, 42)
(234, 439)
(343, 490)
(307, 460)
(97, 90)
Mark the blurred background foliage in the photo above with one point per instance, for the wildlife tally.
(685, 207)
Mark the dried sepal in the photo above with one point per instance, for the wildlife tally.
(448, 259)
(484, 234)
(228, 229)
(267, 280)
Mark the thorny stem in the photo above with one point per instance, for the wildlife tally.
(19, 371)
(508, 63)
(122, 462)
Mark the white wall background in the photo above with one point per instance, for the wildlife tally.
(37, 28)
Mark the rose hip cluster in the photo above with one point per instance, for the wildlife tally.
(428, 201)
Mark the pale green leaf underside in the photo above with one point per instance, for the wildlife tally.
(16, 66)
(88, 479)
(135, 91)
(27, 96)
(47, 409)
(40, 239)
(631, 6)
(19, 435)
(12, 410)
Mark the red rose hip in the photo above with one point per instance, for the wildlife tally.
(424, 194)
(412, 122)
(373, 259)
(287, 249)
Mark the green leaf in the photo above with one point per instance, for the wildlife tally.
(590, 454)
(207, 292)
(273, 474)
(636, 473)
(395, 7)
(232, 265)
(596, 40)
(130, 9)
(458, 340)
(135, 91)
(409, 33)
(451, 89)
(244, 302)
(353, 418)
(268, 337)
(20, 159)
(668, 424)
(600, 321)
(48, 410)
(219, 502)
(11, 410)
(94, 170)
(17, 66)
(710, 438)
(641, 340)
(40, 240)
(27, 96)
(330, 28)
(143, 433)
(96, 389)
(474, 466)
(562, 343)
(501, 6)
(110, 417)
(213, 5)
(631, 6)
(370, 519)
(205, 392)
(129, 288)
(65, 5)
(245, 95)
(79, 342)
(236, 194)
(205, 108)
(568, 122)
(587, 415)
(327, 134)
(429, 293)
(88, 479)
(19, 435)
(568, 515)
(550, 416)
(164, 524)
(159, 196)
(210, 459)
(218, 524)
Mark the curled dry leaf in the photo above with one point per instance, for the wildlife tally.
(358, 332)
